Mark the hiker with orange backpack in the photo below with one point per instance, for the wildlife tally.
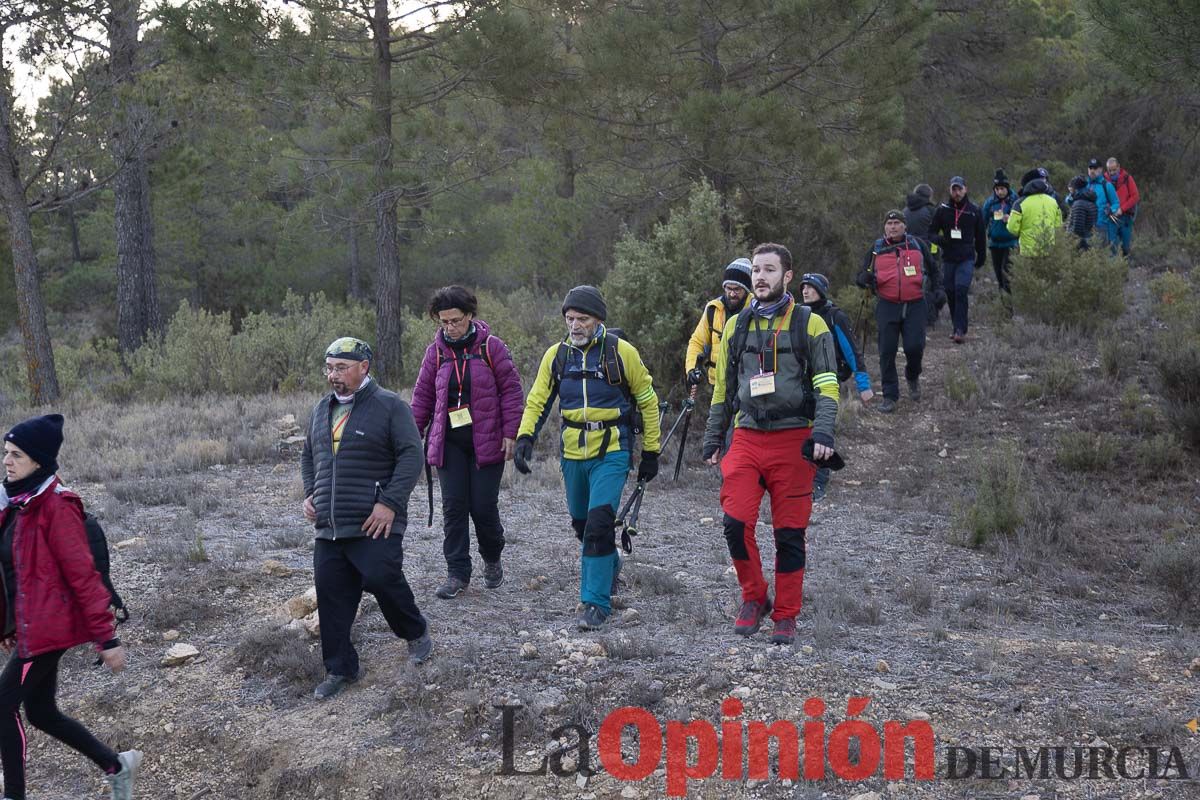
(468, 397)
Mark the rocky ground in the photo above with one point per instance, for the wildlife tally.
(1038, 639)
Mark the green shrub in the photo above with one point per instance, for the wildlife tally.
(1066, 287)
(961, 386)
(659, 285)
(1060, 377)
(998, 487)
(1177, 302)
(1159, 455)
(1178, 362)
(1119, 354)
(195, 356)
(287, 347)
(1174, 565)
(1084, 451)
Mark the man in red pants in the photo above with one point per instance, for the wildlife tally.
(777, 383)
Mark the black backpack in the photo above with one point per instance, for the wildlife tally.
(612, 371)
(844, 371)
(797, 333)
(98, 543)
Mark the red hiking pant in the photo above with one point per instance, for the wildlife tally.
(768, 461)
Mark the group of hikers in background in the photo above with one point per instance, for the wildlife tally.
(774, 360)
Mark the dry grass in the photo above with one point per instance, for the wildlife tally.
(107, 441)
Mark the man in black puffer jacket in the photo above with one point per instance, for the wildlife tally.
(918, 216)
(362, 457)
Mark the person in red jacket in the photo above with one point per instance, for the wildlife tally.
(1128, 197)
(53, 599)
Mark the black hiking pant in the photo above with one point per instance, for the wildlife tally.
(1001, 258)
(343, 570)
(33, 682)
(470, 493)
(899, 322)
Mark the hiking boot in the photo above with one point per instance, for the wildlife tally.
(332, 685)
(887, 405)
(953, 336)
(121, 784)
(914, 390)
(591, 618)
(452, 587)
(420, 648)
(959, 338)
(750, 616)
(818, 493)
(617, 583)
(785, 631)
(493, 575)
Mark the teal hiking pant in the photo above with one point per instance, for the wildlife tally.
(594, 488)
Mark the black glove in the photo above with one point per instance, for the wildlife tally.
(694, 377)
(709, 451)
(523, 453)
(939, 298)
(648, 467)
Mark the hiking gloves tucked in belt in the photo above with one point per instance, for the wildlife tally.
(523, 453)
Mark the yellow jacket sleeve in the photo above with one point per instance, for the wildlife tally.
(700, 339)
(641, 386)
(540, 399)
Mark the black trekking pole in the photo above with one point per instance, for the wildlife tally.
(686, 415)
(628, 516)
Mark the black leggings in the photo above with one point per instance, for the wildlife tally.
(34, 683)
(469, 492)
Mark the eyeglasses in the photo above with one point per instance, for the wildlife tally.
(452, 323)
(336, 370)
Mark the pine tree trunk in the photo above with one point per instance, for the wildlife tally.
(389, 359)
(138, 312)
(355, 291)
(31, 313)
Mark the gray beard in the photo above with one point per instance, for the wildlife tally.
(578, 341)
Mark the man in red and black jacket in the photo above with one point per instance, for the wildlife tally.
(959, 230)
(895, 270)
(1128, 197)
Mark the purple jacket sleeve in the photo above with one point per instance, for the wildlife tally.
(508, 382)
(423, 400)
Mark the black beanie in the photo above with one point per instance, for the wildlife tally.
(39, 438)
(923, 190)
(738, 272)
(818, 281)
(1000, 179)
(586, 300)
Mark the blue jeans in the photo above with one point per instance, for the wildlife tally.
(956, 280)
(1124, 234)
(594, 488)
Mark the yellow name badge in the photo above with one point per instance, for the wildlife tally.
(460, 416)
(997, 214)
(910, 270)
(955, 233)
(762, 384)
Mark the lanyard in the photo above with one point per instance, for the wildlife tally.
(762, 362)
(958, 212)
(460, 376)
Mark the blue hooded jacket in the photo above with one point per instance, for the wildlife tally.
(998, 233)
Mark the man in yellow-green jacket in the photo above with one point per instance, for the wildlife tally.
(1036, 218)
(777, 384)
(606, 396)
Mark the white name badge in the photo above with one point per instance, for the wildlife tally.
(762, 384)
(910, 270)
(955, 233)
(460, 416)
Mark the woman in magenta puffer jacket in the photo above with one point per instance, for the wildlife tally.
(51, 599)
(468, 395)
